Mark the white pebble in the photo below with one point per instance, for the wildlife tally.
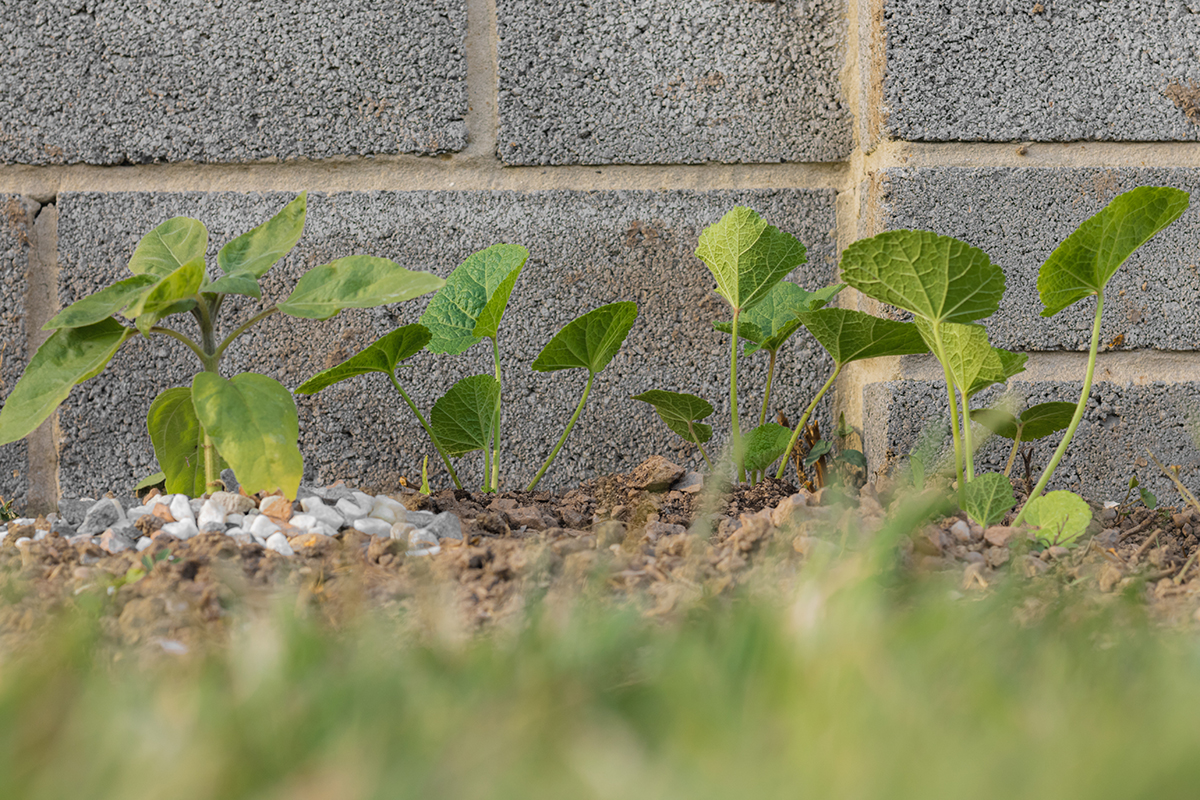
(21, 541)
(212, 517)
(388, 510)
(135, 512)
(235, 519)
(181, 529)
(143, 543)
(262, 527)
(421, 539)
(372, 526)
(39, 534)
(961, 531)
(181, 509)
(352, 511)
(402, 530)
(279, 543)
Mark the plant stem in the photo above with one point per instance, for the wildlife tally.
(424, 424)
(1013, 454)
(195, 348)
(735, 429)
(837, 368)
(487, 469)
(762, 415)
(696, 441)
(940, 352)
(1079, 409)
(259, 317)
(212, 475)
(496, 421)
(968, 446)
(570, 424)
(207, 333)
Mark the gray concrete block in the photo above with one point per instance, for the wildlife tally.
(587, 249)
(16, 229)
(651, 82)
(121, 82)
(1046, 71)
(1109, 446)
(1018, 216)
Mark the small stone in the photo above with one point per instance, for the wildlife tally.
(657, 530)
(162, 537)
(1000, 535)
(372, 526)
(184, 529)
(609, 532)
(241, 537)
(181, 508)
(690, 483)
(211, 518)
(419, 519)
(1058, 552)
(63, 528)
(195, 504)
(148, 523)
(973, 576)
(502, 504)
(162, 512)
(390, 549)
(655, 474)
(235, 519)
(143, 543)
(276, 507)
(102, 515)
(524, 517)
(1109, 576)
(961, 531)
(279, 543)
(1033, 566)
(973, 557)
(232, 502)
(389, 510)
(1107, 514)
(313, 545)
(263, 527)
(401, 531)
(1108, 538)
(445, 526)
(422, 543)
(136, 513)
(493, 522)
(996, 556)
(74, 511)
(113, 542)
(787, 508)
(351, 510)
(315, 507)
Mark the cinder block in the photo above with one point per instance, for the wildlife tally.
(586, 249)
(1108, 448)
(1044, 71)
(654, 82)
(16, 229)
(126, 82)
(1018, 216)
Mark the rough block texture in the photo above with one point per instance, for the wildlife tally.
(16, 230)
(1109, 445)
(996, 70)
(587, 249)
(120, 81)
(652, 81)
(1018, 217)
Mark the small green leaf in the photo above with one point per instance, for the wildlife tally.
(469, 307)
(1044, 419)
(822, 447)
(463, 417)
(256, 251)
(381, 356)
(156, 301)
(999, 366)
(589, 341)
(101, 305)
(1083, 264)
(988, 498)
(355, 282)
(1148, 498)
(178, 441)
(997, 421)
(747, 256)
(149, 481)
(853, 335)
(69, 357)
(936, 277)
(253, 422)
(854, 458)
(765, 444)
(168, 247)
(243, 283)
(1060, 517)
(677, 409)
(772, 322)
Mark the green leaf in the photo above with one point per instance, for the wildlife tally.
(589, 341)
(256, 251)
(1148, 498)
(468, 308)
(462, 418)
(381, 356)
(149, 481)
(677, 409)
(1044, 419)
(999, 367)
(253, 422)
(101, 305)
(997, 421)
(178, 441)
(161, 299)
(1060, 517)
(747, 256)
(168, 247)
(854, 458)
(936, 277)
(1083, 264)
(765, 444)
(965, 347)
(243, 283)
(771, 322)
(822, 447)
(853, 336)
(69, 357)
(355, 282)
(988, 498)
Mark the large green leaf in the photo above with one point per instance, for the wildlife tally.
(100, 305)
(988, 498)
(998, 367)
(69, 357)
(1084, 262)
(165, 297)
(765, 444)
(936, 277)
(677, 409)
(381, 356)
(964, 347)
(462, 418)
(178, 441)
(589, 341)
(772, 321)
(468, 308)
(256, 251)
(355, 282)
(1060, 517)
(168, 247)
(243, 283)
(747, 256)
(849, 335)
(253, 422)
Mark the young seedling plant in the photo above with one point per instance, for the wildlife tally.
(248, 422)
(682, 413)
(1035, 422)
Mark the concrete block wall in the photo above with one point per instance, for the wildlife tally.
(603, 136)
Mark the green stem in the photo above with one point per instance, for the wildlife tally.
(207, 333)
(259, 317)
(837, 369)
(424, 424)
(954, 430)
(735, 428)
(1012, 454)
(205, 359)
(567, 432)
(496, 421)
(968, 447)
(487, 469)
(762, 415)
(212, 475)
(1079, 409)
(696, 441)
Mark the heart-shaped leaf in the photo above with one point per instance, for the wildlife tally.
(1034, 423)
(747, 256)
(178, 442)
(765, 444)
(999, 367)
(589, 341)
(677, 409)
(69, 357)
(965, 348)
(849, 335)
(168, 247)
(256, 251)
(1083, 264)
(355, 282)
(997, 421)
(988, 498)
(1060, 517)
(253, 422)
(463, 418)
(381, 356)
(936, 277)
(102, 304)
(822, 447)
(772, 322)
(161, 299)
(468, 308)
(243, 283)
